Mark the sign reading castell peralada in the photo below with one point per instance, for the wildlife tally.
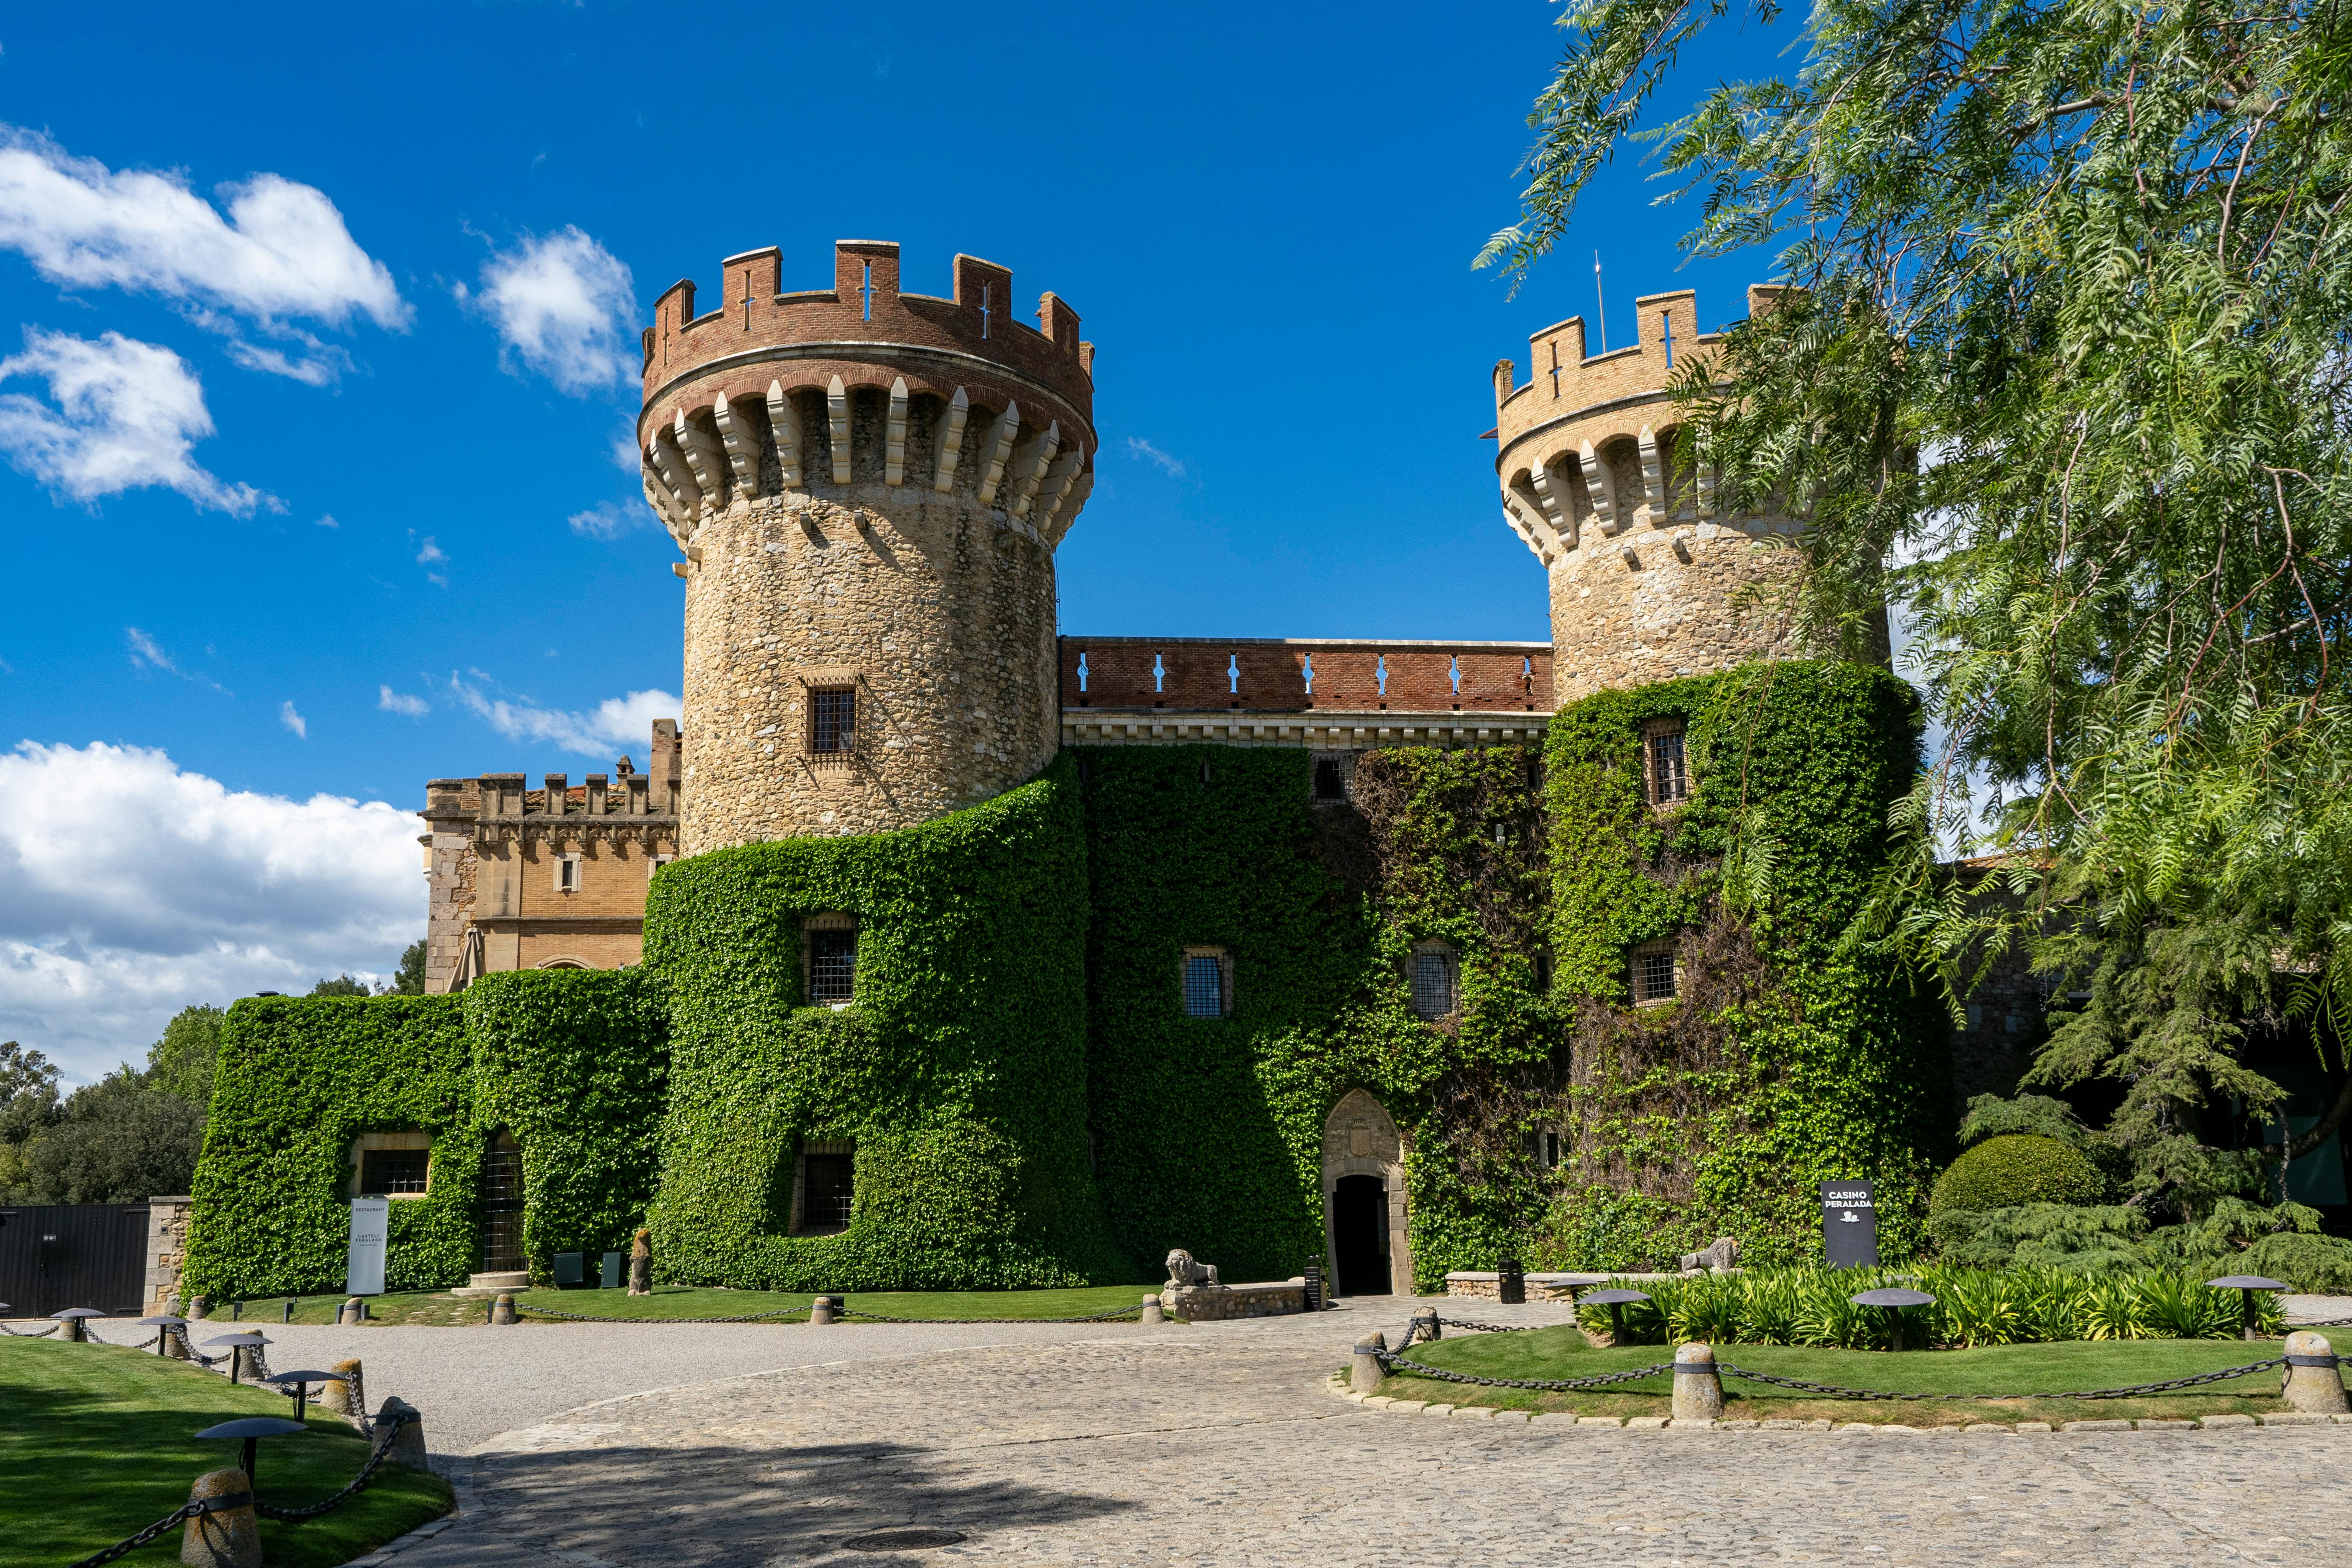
(1848, 1225)
(371, 1225)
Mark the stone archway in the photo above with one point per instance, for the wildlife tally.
(1360, 1145)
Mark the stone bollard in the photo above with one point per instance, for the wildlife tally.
(352, 1310)
(241, 1367)
(824, 1310)
(1365, 1375)
(72, 1331)
(2314, 1381)
(1427, 1329)
(1153, 1312)
(199, 1309)
(408, 1444)
(641, 1264)
(349, 1397)
(175, 1343)
(230, 1537)
(1698, 1387)
(503, 1310)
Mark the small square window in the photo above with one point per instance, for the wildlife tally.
(833, 721)
(1654, 974)
(1330, 782)
(1433, 974)
(1544, 1144)
(1669, 773)
(393, 1173)
(567, 873)
(832, 964)
(1208, 985)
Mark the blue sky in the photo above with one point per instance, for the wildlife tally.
(323, 339)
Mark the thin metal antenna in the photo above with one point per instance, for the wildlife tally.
(1600, 303)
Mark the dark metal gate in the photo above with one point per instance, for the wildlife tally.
(74, 1255)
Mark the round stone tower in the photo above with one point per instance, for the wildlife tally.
(1644, 569)
(868, 486)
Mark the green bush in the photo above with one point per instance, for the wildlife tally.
(2016, 1168)
(2078, 1238)
(2322, 1264)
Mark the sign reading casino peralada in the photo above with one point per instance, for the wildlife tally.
(1848, 1225)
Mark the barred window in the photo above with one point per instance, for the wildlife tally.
(1205, 985)
(833, 965)
(1432, 982)
(1669, 775)
(828, 1187)
(833, 720)
(1654, 974)
(1330, 780)
(388, 1173)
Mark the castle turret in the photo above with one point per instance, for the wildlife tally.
(868, 487)
(1644, 566)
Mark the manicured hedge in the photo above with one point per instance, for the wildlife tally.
(2017, 1168)
(958, 1070)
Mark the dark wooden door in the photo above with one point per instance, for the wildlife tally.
(1359, 1235)
(74, 1255)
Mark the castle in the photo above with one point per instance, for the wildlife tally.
(931, 948)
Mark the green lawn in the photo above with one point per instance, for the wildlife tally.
(1561, 1353)
(686, 1301)
(97, 1443)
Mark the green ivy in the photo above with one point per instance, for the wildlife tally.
(575, 1064)
(959, 1069)
(298, 1080)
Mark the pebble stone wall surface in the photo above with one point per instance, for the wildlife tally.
(1219, 1445)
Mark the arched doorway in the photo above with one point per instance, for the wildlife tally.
(1367, 1248)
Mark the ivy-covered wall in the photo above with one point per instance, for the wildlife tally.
(959, 1072)
(1030, 1105)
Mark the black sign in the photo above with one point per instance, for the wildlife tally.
(1848, 1225)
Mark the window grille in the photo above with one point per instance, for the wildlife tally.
(833, 965)
(1330, 780)
(1205, 985)
(833, 721)
(502, 1195)
(1669, 777)
(1653, 975)
(1433, 984)
(828, 1191)
(388, 1173)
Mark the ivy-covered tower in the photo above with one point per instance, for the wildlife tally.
(868, 487)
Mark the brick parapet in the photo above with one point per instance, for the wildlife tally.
(1303, 675)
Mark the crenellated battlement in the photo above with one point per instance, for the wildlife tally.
(861, 384)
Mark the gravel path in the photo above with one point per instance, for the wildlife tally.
(1055, 1447)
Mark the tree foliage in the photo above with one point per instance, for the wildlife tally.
(2068, 381)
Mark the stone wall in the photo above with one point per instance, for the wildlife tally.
(167, 1248)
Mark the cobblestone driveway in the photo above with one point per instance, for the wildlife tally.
(1215, 1445)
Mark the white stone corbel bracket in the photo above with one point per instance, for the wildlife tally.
(1654, 477)
(999, 447)
(702, 455)
(784, 421)
(1058, 479)
(836, 408)
(1058, 527)
(667, 462)
(950, 441)
(742, 446)
(1032, 472)
(1601, 487)
(894, 450)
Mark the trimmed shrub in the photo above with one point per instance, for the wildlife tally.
(2076, 1238)
(2016, 1168)
(2322, 1264)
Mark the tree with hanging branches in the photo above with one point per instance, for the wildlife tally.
(2065, 385)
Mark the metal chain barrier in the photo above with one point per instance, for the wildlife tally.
(1391, 1359)
(1491, 1328)
(842, 1312)
(199, 1357)
(589, 1318)
(377, 1456)
(180, 1516)
(31, 1333)
(2165, 1387)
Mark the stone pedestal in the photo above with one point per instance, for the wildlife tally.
(1698, 1387)
(1210, 1304)
(228, 1537)
(2314, 1383)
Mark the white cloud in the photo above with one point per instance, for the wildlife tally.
(620, 722)
(294, 721)
(1138, 448)
(322, 367)
(281, 253)
(327, 520)
(126, 416)
(429, 552)
(146, 654)
(401, 702)
(135, 888)
(609, 519)
(564, 306)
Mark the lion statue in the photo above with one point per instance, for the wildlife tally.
(1713, 1259)
(1183, 1273)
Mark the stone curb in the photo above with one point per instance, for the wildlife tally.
(1560, 1421)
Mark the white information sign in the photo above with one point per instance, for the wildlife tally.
(371, 1223)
